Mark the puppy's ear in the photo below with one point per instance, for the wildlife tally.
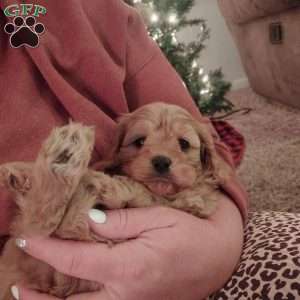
(16, 177)
(123, 124)
(205, 157)
(112, 162)
(210, 159)
(207, 149)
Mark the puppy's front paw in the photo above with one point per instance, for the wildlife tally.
(198, 206)
(67, 151)
(195, 207)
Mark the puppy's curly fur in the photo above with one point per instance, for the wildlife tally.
(162, 156)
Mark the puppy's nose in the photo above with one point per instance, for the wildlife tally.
(161, 164)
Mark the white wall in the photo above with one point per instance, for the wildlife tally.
(221, 50)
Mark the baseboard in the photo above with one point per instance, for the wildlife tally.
(240, 83)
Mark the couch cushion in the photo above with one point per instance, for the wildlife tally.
(273, 70)
(241, 11)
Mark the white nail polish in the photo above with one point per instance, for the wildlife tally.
(15, 292)
(21, 243)
(97, 216)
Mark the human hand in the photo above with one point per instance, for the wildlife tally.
(169, 255)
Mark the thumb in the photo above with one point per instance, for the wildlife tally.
(130, 223)
(102, 295)
(21, 293)
(25, 294)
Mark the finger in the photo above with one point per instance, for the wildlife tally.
(78, 259)
(130, 223)
(26, 294)
(102, 295)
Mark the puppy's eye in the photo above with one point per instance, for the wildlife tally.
(139, 143)
(184, 144)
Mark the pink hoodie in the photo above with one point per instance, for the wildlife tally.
(95, 61)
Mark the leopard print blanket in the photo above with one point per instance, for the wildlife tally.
(270, 264)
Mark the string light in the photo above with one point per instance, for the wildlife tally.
(174, 38)
(201, 71)
(154, 18)
(205, 78)
(172, 18)
(137, 1)
(155, 36)
(194, 64)
(204, 92)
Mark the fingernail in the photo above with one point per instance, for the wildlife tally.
(98, 216)
(21, 243)
(15, 292)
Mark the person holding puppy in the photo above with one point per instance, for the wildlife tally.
(95, 62)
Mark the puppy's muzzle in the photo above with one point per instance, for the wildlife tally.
(161, 164)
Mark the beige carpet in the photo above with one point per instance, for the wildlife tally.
(271, 167)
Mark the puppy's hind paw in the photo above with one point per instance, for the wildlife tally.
(68, 149)
(15, 178)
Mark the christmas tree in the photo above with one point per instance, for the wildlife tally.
(165, 19)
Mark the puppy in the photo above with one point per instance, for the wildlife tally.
(166, 150)
(161, 156)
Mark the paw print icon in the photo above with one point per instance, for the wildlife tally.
(24, 32)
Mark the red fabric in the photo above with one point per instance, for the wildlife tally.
(95, 61)
(233, 139)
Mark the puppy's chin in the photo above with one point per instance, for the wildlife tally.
(162, 188)
(181, 178)
(184, 176)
